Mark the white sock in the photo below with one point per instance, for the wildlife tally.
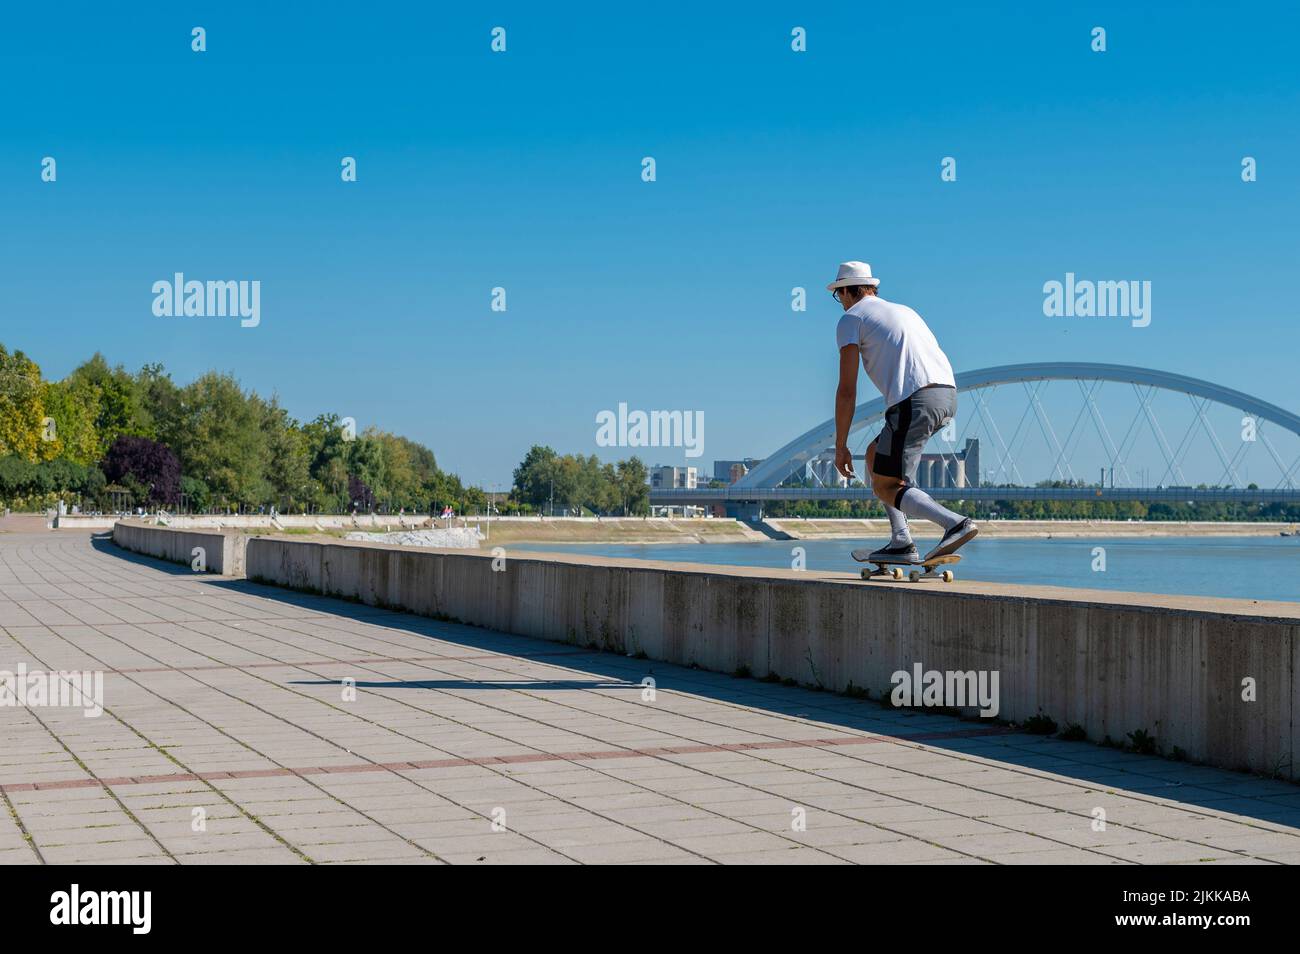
(900, 533)
(915, 502)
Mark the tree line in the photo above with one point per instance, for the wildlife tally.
(104, 435)
(108, 438)
(547, 482)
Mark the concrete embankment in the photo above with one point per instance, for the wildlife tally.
(504, 530)
(1205, 679)
(255, 522)
(216, 552)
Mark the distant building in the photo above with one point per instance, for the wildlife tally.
(961, 469)
(822, 473)
(673, 478)
(725, 470)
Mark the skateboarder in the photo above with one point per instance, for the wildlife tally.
(902, 358)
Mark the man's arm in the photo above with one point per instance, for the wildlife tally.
(846, 399)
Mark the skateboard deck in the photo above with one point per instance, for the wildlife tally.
(926, 569)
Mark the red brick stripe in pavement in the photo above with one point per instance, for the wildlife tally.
(498, 760)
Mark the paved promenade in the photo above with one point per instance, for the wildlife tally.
(246, 725)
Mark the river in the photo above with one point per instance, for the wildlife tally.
(1259, 568)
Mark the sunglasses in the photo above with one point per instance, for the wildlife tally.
(836, 295)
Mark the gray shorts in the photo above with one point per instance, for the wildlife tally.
(909, 424)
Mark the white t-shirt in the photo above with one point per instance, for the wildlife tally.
(899, 352)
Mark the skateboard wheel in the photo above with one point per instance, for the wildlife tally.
(947, 576)
(866, 574)
(914, 575)
(897, 573)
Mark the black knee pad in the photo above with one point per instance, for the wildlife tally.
(898, 497)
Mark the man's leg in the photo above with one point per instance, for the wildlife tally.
(899, 532)
(915, 502)
(900, 548)
(914, 422)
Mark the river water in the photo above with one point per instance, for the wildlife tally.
(1259, 568)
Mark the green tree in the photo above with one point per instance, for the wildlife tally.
(534, 475)
(119, 404)
(365, 461)
(158, 405)
(22, 412)
(327, 449)
(222, 441)
(287, 466)
(73, 405)
(196, 494)
(633, 486)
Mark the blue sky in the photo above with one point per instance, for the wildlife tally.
(522, 170)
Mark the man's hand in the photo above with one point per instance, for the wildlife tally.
(844, 463)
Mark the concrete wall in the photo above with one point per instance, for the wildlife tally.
(1112, 663)
(380, 522)
(223, 552)
(77, 521)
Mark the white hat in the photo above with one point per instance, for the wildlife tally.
(853, 273)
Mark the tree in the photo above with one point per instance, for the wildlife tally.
(286, 466)
(633, 486)
(149, 466)
(327, 448)
(22, 413)
(197, 496)
(73, 406)
(119, 405)
(158, 405)
(409, 470)
(533, 476)
(360, 496)
(365, 461)
(221, 439)
(17, 478)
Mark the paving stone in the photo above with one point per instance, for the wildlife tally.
(224, 691)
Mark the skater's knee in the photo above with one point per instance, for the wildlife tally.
(886, 488)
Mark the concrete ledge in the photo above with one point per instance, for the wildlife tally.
(378, 522)
(1112, 663)
(76, 521)
(223, 552)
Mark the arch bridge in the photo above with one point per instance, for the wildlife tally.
(1004, 480)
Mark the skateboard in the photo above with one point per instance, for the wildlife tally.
(924, 570)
